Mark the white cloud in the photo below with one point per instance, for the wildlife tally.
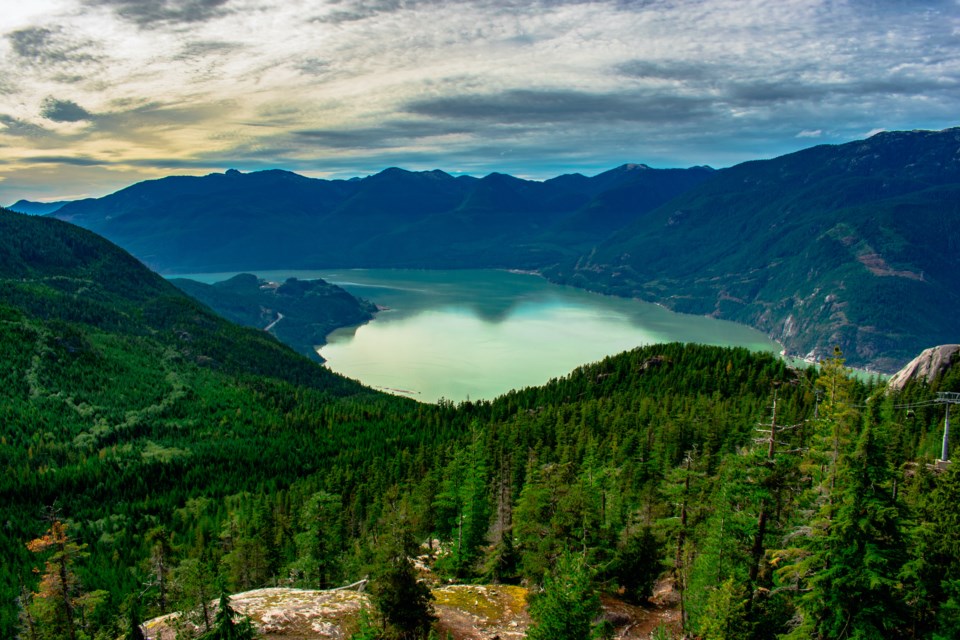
(567, 85)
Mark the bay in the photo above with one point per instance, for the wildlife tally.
(476, 334)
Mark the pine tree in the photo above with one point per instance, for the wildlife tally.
(403, 601)
(568, 605)
(638, 563)
(54, 604)
(228, 624)
(854, 588)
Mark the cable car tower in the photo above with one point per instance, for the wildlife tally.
(947, 398)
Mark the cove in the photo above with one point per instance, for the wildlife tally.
(476, 334)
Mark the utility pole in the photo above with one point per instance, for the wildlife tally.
(947, 398)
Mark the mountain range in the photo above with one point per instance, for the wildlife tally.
(851, 245)
(396, 218)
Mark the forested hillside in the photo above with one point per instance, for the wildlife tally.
(146, 469)
(301, 313)
(853, 245)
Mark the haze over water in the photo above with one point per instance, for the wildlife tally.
(479, 333)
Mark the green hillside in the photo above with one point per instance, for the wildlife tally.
(853, 245)
(300, 313)
(179, 469)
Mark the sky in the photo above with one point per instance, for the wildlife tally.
(98, 94)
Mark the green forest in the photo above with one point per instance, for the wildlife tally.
(156, 456)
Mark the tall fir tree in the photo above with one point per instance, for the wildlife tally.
(569, 603)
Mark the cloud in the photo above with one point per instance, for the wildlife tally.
(21, 128)
(79, 161)
(668, 69)
(146, 86)
(204, 48)
(46, 46)
(524, 106)
(64, 111)
(154, 13)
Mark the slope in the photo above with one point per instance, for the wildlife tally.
(852, 245)
(301, 313)
(120, 397)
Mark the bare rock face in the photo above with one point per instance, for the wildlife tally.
(464, 612)
(927, 366)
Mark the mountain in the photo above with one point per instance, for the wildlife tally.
(121, 396)
(300, 313)
(852, 245)
(396, 218)
(36, 208)
(51, 271)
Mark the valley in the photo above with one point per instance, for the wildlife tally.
(173, 454)
(834, 245)
(478, 334)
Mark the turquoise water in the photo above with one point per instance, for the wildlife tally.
(476, 334)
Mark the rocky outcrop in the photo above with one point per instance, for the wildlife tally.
(464, 612)
(927, 366)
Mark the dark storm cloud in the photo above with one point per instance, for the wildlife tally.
(522, 106)
(64, 111)
(42, 46)
(152, 13)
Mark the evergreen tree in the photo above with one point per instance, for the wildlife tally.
(568, 604)
(228, 624)
(726, 616)
(855, 591)
(403, 601)
(638, 563)
(319, 545)
(55, 603)
(135, 631)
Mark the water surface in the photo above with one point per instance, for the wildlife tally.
(479, 333)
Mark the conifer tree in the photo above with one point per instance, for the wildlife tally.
(568, 604)
(854, 588)
(638, 563)
(934, 591)
(319, 544)
(403, 601)
(55, 601)
(228, 624)
(726, 616)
